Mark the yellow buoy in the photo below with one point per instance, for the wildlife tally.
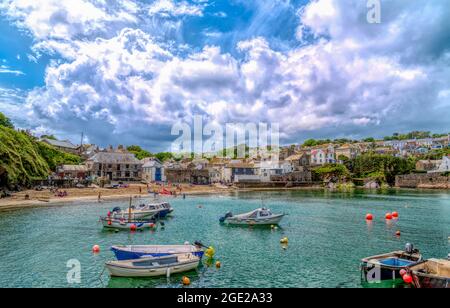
(186, 281)
(284, 240)
(210, 252)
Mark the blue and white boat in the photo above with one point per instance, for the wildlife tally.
(131, 252)
(144, 211)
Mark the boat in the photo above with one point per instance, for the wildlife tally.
(142, 251)
(143, 211)
(153, 266)
(432, 273)
(261, 216)
(388, 266)
(123, 224)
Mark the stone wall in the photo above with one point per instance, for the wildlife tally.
(423, 180)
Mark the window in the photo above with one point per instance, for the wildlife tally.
(127, 166)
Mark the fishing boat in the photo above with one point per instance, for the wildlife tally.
(260, 216)
(388, 266)
(143, 211)
(123, 224)
(153, 266)
(131, 252)
(432, 273)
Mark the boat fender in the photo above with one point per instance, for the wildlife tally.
(409, 248)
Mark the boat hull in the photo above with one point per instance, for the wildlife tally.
(254, 222)
(117, 224)
(136, 252)
(117, 270)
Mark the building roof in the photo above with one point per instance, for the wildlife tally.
(241, 165)
(151, 163)
(114, 158)
(67, 168)
(60, 143)
(295, 157)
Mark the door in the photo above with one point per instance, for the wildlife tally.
(158, 175)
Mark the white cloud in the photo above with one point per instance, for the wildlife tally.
(175, 8)
(352, 79)
(7, 70)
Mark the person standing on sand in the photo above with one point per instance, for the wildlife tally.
(99, 196)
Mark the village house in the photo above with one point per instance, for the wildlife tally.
(348, 150)
(152, 170)
(241, 172)
(187, 175)
(443, 167)
(300, 161)
(428, 165)
(62, 145)
(115, 165)
(72, 171)
(323, 155)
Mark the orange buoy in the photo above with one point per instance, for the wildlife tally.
(96, 249)
(388, 216)
(407, 278)
(218, 264)
(395, 214)
(369, 217)
(186, 281)
(133, 227)
(398, 233)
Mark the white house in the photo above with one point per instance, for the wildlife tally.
(444, 166)
(153, 170)
(321, 156)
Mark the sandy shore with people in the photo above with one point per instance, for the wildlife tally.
(45, 198)
(35, 198)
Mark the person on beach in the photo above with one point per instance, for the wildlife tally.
(99, 196)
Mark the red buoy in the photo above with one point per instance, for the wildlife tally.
(96, 249)
(398, 233)
(402, 272)
(369, 217)
(395, 214)
(133, 227)
(388, 216)
(407, 278)
(152, 225)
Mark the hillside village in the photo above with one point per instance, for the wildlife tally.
(297, 165)
(421, 161)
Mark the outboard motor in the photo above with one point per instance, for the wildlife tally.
(409, 248)
(116, 210)
(227, 215)
(448, 257)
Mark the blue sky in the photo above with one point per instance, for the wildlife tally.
(126, 71)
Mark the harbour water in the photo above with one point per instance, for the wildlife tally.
(327, 232)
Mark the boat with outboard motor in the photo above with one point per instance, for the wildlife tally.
(388, 266)
(130, 252)
(153, 266)
(261, 216)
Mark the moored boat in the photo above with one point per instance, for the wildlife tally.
(153, 266)
(131, 252)
(260, 216)
(432, 273)
(388, 266)
(143, 211)
(124, 224)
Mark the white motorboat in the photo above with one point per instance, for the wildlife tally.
(260, 216)
(153, 266)
(143, 211)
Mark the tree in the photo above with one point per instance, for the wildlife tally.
(50, 137)
(370, 139)
(5, 121)
(163, 156)
(310, 143)
(139, 152)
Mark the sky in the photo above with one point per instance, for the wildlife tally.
(125, 71)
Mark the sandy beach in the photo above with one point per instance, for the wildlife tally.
(46, 198)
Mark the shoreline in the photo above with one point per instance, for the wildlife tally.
(18, 201)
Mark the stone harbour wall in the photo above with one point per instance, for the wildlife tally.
(423, 180)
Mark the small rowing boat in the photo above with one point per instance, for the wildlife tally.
(153, 266)
(123, 224)
(260, 216)
(131, 252)
(433, 273)
(388, 266)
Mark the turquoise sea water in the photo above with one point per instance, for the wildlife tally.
(327, 232)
